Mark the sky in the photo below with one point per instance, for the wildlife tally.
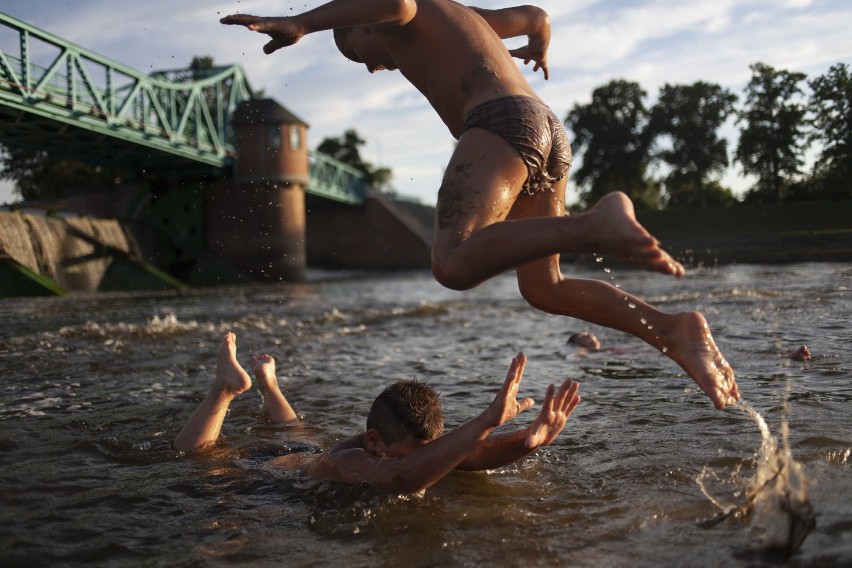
(652, 42)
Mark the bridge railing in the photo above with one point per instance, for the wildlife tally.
(185, 112)
(80, 87)
(333, 179)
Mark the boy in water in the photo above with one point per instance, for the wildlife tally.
(501, 204)
(403, 449)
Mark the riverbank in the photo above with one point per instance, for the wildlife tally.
(756, 234)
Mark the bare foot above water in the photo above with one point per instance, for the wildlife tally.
(621, 235)
(230, 376)
(263, 367)
(691, 345)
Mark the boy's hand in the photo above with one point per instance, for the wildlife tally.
(554, 414)
(534, 51)
(283, 31)
(505, 405)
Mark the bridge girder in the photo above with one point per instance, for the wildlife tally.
(80, 104)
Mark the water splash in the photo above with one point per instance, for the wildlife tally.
(775, 499)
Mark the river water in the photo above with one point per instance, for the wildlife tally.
(94, 387)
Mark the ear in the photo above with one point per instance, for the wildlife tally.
(373, 439)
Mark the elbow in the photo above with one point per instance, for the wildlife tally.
(402, 11)
(539, 17)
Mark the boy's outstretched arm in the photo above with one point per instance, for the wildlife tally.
(286, 31)
(530, 21)
(349, 463)
(502, 449)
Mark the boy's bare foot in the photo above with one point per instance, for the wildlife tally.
(230, 376)
(619, 233)
(263, 367)
(275, 403)
(690, 344)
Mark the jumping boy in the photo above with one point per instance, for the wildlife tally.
(501, 204)
(403, 449)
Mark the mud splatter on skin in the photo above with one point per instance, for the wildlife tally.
(484, 70)
(452, 197)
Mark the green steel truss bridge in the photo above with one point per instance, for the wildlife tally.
(60, 97)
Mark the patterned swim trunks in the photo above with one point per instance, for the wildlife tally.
(533, 130)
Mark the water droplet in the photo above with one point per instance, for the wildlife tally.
(664, 349)
(599, 259)
(643, 320)
(631, 305)
(607, 270)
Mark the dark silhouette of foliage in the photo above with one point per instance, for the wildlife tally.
(772, 137)
(831, 108)
(345, 149)
(38, 176)
(608, 135)
(690, 117)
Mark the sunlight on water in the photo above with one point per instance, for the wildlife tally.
(94, 388)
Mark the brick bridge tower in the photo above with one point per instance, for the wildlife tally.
(256, 221)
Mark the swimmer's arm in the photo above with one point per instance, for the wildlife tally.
(348, 462)
(421, 469)
(504, 448)
(530, 21)
(286, 31)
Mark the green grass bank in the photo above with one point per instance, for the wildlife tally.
(798, 232)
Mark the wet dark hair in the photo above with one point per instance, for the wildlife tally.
(407, 408)
(341, 34)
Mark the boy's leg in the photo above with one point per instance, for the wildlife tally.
(684, 337)
(484, 226)
(276, 405)
(474, 240)
(204, 425)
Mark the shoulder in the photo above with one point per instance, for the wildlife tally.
(402, 12)
(346, 464)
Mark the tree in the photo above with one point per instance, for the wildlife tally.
(39, 176)
(345, 149)
(831, 107)
(772, 139)
(691, 115)
(43, 175)
(609, 135)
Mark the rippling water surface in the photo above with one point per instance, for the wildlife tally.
(94, 387)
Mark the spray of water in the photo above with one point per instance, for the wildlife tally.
(774, 501)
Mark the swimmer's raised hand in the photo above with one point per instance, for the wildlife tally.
(505, 405)
(283, 31)
(555, 411)
(528, 53)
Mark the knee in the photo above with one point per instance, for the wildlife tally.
(539, 291)
(452, 277)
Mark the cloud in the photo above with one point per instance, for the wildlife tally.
(649, 41)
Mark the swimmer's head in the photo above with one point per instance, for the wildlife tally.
(801, 354)
(341, 39)
(586, 340)
(404, 416)
(358, 44)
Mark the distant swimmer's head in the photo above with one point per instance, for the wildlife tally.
(405, 416)
(801, 354)
(585, 340)
(358, 44)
